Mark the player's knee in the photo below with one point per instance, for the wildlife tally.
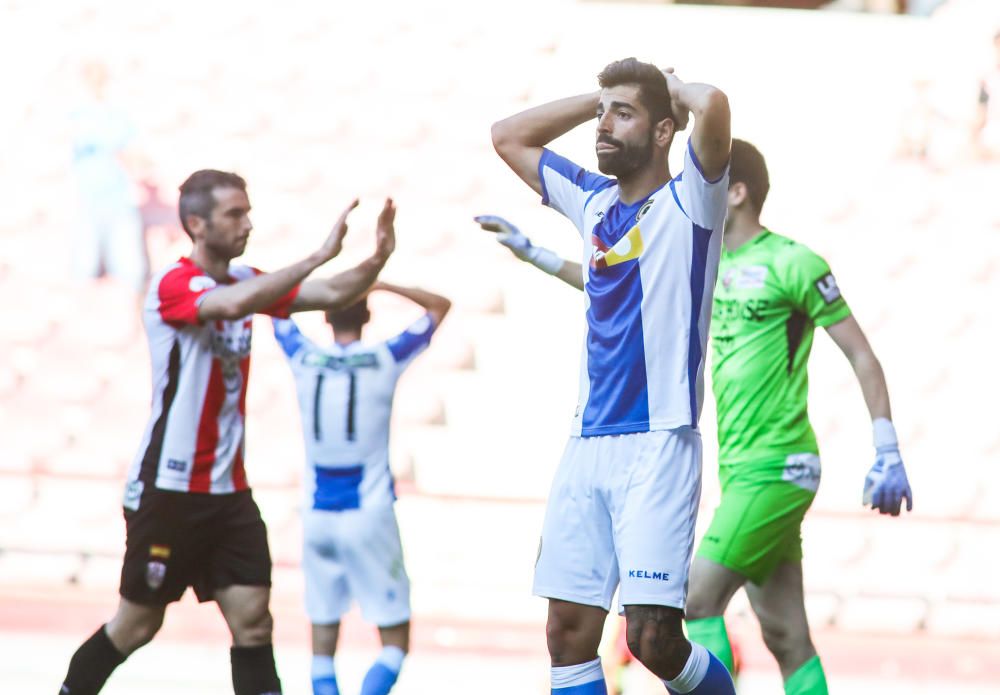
(702, 605)
(129, 635)
(568, 640)
(655, 638)
(789, 645)
(254, 629)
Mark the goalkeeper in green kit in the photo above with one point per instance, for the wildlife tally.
(771, 295)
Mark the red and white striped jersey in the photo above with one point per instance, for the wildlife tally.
(194, 441)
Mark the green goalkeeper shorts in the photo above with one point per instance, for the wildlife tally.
(758, 523)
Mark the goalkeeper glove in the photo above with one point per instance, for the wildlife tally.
(886, 484)
(520, 245)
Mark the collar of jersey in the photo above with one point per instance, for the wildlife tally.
(753, 243)
(185, 260)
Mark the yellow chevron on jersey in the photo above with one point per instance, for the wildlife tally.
(628, 248)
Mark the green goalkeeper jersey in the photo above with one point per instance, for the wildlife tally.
(771, 294)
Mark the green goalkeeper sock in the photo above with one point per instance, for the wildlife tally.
(809, 679)
(711, 634)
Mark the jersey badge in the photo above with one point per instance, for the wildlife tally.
(643, 210)
(155, 573)
(133, 492)
(827, 286)
(751, 277)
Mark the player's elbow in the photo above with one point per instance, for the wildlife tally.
(440, 310)
(715, 103)
(226, 310)
(504, 137)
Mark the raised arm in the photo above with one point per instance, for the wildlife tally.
(519, 139)
(435, 305)
(711, 137)
(886, 484)
(229, 302)
(349, 286)
(542, 258)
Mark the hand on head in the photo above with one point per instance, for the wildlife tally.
(681, 113)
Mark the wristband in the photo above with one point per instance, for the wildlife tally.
(884, 434)
(546, 260)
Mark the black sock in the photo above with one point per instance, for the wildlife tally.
(91, 665)
(253, 671)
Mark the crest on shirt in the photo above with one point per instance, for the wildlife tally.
(643, 210)
(155, 573)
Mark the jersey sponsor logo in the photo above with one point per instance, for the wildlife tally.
(340, 363)
(734, 309)
(628, 248)
(646, 574)
(200, 283)
(133, 492)
(828, 289)
(155, 573)
(177, 465)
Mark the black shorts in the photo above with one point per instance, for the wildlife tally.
(177, 539)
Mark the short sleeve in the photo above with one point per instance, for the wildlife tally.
(703, 200)
(282, 308)
(289, 337)
(411, 342)
(812, 288)
(180, 292)
(568, 187)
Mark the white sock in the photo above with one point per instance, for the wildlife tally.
(392, 658)
(693, 672)
(578, 674)
(322, 666)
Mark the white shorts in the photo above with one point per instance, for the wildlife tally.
(355, 554)
(622, 507)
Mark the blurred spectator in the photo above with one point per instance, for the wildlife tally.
(986, 131)
(109, 238)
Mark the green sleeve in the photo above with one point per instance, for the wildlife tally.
(812, 289)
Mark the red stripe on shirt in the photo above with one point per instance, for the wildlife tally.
(239, 470)
(208, 431)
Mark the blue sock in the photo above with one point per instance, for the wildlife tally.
(324, 679)
(384, 672)
(579, 679)
(703, 674)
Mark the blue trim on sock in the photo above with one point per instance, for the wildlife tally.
(717, 680)
(327, 685)
(379, 680)
(591, 688)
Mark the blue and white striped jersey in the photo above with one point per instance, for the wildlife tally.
(345, 397)
(649, 271)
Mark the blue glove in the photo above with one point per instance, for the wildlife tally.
(520, 245)
(886, 484)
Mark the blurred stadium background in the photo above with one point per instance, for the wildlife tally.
(317, 102)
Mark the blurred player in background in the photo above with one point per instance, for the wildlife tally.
(771, 295)
(190, 518)
(352, 548)
(986, 130)
(623, 502)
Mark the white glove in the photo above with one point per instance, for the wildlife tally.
(520, 245)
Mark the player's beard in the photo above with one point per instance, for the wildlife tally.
(627, 159)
